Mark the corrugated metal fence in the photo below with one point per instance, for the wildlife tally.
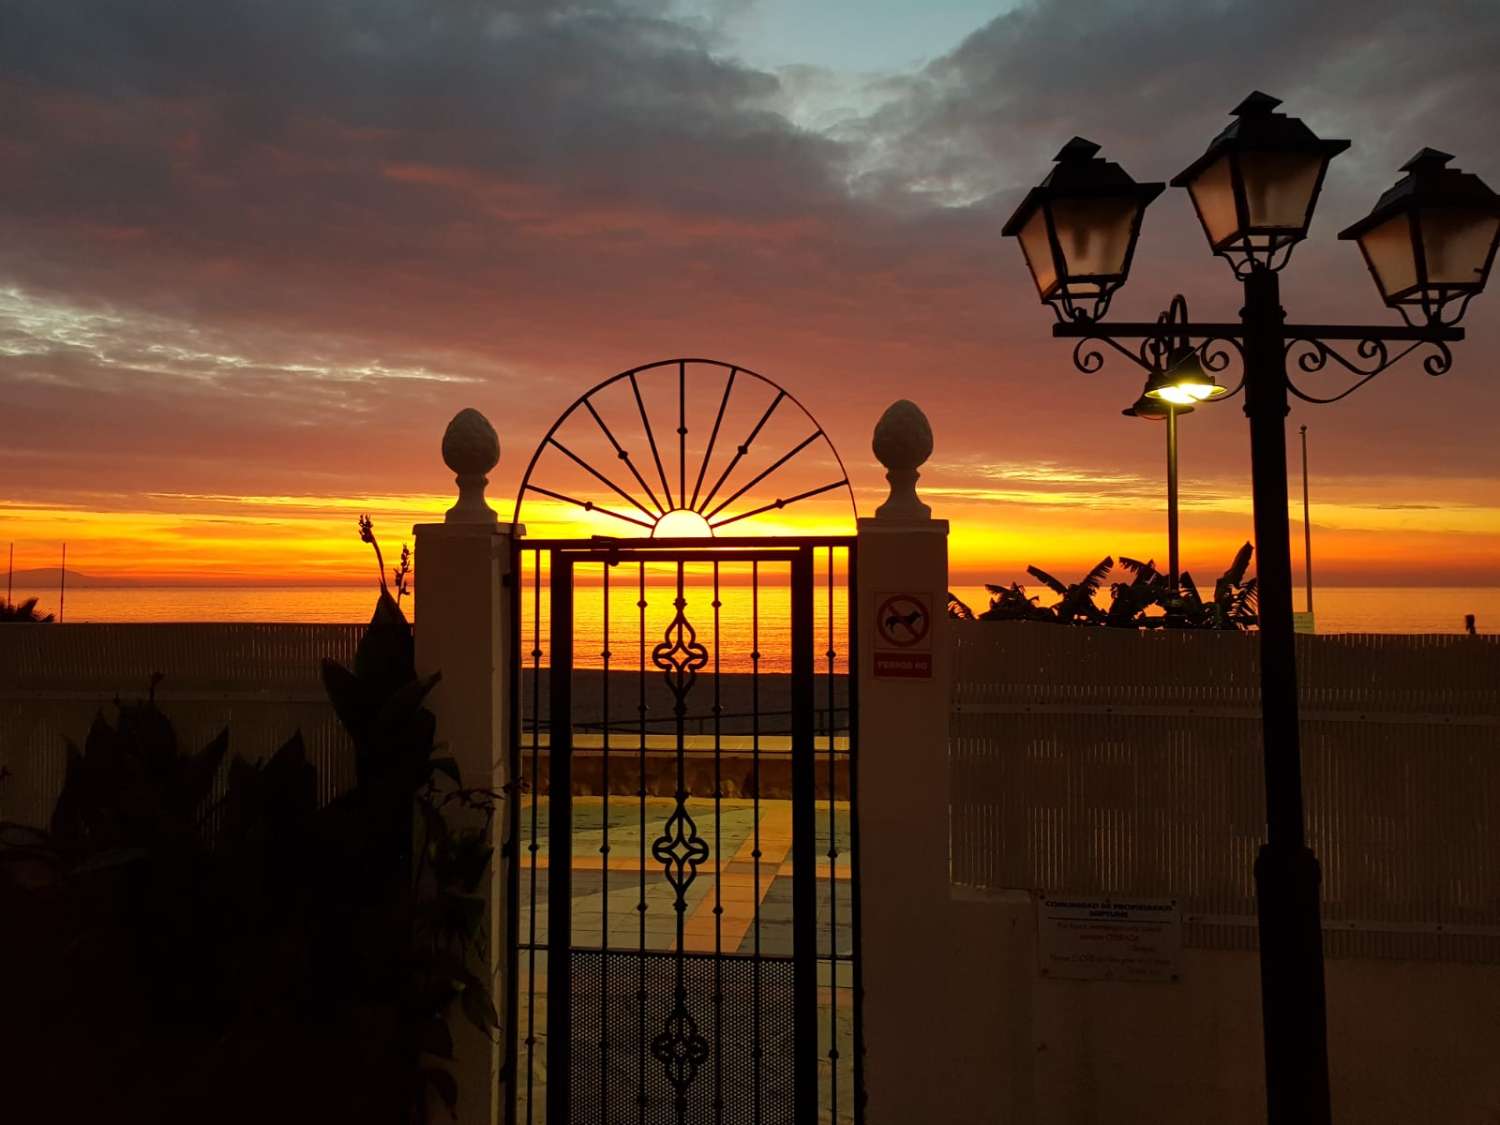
(1115, 761)
(261, 681)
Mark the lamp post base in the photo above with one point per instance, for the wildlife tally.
(1287, 882)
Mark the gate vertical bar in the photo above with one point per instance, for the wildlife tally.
(853, 626)
(511, 849)
(718, 712)
(641, 905)
(804, 843)
(605, 658)
(831, 655)
(560, 840)
(755, 787)
(532, 846)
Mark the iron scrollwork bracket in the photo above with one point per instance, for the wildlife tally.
(1172, 337)
(1215, 352)
(1088, 359)
(1169, 340)
(1372, 355)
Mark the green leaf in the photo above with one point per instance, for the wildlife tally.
(468, 912)
(1047, 580)
(347, 694)
(479, 1008)
(199, 771)
(386, 656)
(405, 702)
(444, 1085)
(1236, 572)
(437, 1039)
(1094, 577)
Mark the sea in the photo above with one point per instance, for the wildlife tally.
(1339, 609)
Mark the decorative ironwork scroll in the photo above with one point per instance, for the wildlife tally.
(681, 1049)
(680, 655)
(1371, 357)
(1375, 348)
(680, 850)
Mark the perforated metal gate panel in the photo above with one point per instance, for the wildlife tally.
(735, 1001)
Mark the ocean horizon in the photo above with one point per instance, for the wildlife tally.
(1339, 609)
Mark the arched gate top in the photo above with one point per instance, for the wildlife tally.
(684, 436)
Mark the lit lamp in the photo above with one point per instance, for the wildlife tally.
(1430, 241)
(1153, 409)
(1255, 187)
(1078, 230)
(1184, 383)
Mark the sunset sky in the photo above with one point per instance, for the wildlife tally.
(254, 255)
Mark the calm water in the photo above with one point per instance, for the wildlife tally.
(1348, 609)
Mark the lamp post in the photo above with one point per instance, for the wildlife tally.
(1176, 381)
(1154, 410)
(1429, 242)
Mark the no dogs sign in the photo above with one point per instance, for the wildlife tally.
(903, 635)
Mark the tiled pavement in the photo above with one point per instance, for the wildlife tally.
(608, 887)
(754, 901)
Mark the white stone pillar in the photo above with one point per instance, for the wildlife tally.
(462, 631)
(904, 700)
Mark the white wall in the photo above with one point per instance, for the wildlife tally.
(1409, 1041)
(961, 1026)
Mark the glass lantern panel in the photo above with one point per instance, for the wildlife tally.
(1457, 242)
(1388, 248)
(1038, 250)
(1095, 235)
(1279, 188)
(1213, 198)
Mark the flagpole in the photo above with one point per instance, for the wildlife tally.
(62, 584)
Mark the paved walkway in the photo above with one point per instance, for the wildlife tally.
(733, 902)
(724, 902)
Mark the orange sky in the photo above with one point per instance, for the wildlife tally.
(997, 529)
(254, 259)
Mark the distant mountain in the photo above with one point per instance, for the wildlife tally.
(45, 578)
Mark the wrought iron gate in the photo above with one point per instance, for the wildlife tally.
(684, 892)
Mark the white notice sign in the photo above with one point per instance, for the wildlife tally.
(1089, 937)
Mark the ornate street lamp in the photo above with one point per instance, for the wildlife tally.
(1256, 185)
(1175, 380)
(1431, 239)
(1153, 409)
(1185, 381)
(1078, 229)
(1430, 242)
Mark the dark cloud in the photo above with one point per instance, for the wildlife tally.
(533, 193)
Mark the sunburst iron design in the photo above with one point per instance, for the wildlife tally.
(745, 468)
